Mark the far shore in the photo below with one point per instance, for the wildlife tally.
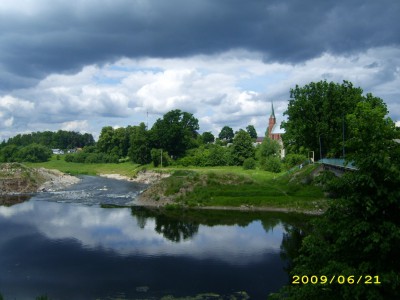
(176, 191)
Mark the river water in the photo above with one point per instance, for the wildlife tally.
(75, 244)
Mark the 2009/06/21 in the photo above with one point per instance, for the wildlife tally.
(341, 279)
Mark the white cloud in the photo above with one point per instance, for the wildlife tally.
(79, 126)
(234, 88)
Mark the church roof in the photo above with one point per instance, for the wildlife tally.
(277, 129)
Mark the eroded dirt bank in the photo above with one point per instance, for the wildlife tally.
(18, 179)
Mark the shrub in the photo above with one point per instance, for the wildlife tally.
(249, 164)
(272, 164)
(292, 160)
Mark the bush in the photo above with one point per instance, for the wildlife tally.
(272, 164)
(249, 164)
(292, 160)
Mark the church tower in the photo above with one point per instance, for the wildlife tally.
(272, 120)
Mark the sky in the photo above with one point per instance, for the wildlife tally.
(85, 64)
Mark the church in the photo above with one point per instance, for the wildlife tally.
(274, 131)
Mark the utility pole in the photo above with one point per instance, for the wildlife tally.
(161, 158)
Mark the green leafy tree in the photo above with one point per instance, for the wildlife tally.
(175, 132)
(207, 137)
(360, 233)
(34, 153)
(242, 147)
(226, 134)
(268, 155)
(159, 157)
(105, 143)
(252, 131)
(315, 116)
(121, 141)
(139, 151)
(269, 147)
(9, 153)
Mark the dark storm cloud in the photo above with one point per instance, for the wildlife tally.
(63, 36)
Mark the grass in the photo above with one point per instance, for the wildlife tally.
(126, 168)
(235, 187)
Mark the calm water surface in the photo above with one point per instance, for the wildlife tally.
(68, 245)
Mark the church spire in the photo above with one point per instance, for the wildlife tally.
(272, 110)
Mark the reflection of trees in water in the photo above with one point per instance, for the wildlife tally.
(173, 227)
(291, 243)
(269, 223)
(175, 230)
(180, 224)
(9, 200)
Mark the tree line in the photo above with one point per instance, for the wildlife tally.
(36, 146)
(174, 139)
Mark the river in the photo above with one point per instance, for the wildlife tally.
(76, 244)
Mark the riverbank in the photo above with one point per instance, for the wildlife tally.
(18, 180)
(235, 189)
(227, 188)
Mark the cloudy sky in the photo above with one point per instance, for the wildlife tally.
(84, 64)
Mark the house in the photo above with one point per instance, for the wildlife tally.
(57, 151)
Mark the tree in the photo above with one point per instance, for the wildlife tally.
(175, 132)
(105, 143)
(242, 147)
(360, 233)
(208, 137)
(139, 151)
(34, 153)
(316, 114)
(226, 134)
(120, 140)
(269, 147)
(252, 131)
(9, 153)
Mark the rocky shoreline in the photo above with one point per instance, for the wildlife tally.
(18, 180)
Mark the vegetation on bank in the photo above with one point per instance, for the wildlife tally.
(126, 168)
(235, 187)
(216, 186)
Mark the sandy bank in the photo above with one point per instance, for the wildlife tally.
(147, 177)
(55, 180)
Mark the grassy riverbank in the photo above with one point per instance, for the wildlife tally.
(233, 187)
(125, 169)
(224, 187)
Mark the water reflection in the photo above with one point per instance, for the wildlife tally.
(9, 200)
(75, 251)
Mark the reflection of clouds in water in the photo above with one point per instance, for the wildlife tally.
(16, 210)
(118, 230)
